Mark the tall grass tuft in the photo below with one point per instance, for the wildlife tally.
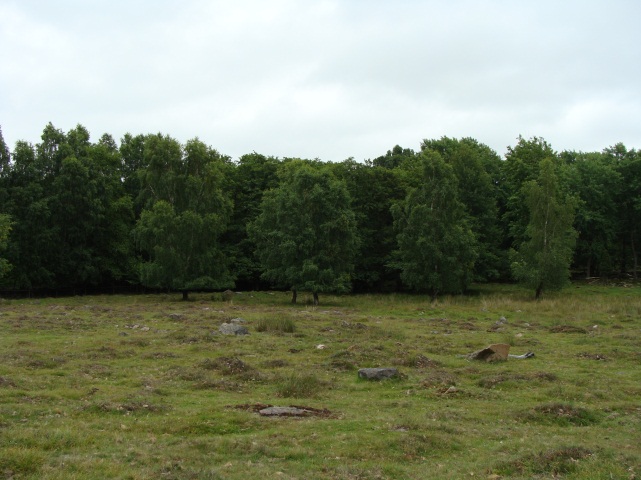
(300, 386)
(272, 324)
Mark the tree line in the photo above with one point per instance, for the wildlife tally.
(150, 211)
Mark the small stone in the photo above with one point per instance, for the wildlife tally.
(377, 373)
(451, 390)
(238, 321)
(320, 347)
(175, 316)
(502, 320)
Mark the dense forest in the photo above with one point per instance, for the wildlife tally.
(150, 212)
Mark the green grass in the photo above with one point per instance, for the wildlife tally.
(139, 387)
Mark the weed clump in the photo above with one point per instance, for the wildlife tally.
(343, 361)
(226, 365)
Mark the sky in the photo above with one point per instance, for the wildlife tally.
(325, 79)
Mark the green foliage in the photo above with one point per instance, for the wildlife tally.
(5, 229)
(305, 235)
(373, 190)
(72, 218)
(477, 168)
(247, 181)
(594, 179)
(521, 166)
(628, 164)
(186, 214)
(5, 155)
(182, 249)
(543, 259)
(436, 246)
(74, 205)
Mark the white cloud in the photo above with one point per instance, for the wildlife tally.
(327, 79)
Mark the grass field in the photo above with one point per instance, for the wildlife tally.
(144, 387)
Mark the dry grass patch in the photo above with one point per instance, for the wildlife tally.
(561, 461)
(494, 380)
(275, 325)
(300, 385)
(560, 414)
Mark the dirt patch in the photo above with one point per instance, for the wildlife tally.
(439, 378)
(353, 326)
(226, 365)
(468, 326)
(220, 385)
(415, 361)
(126, 408)
(567, 329)
(160, 355)
(6, 382)
(275, 363)
(592, 356)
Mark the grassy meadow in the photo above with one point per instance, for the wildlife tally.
(144, 387)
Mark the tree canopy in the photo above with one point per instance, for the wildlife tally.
(148, 211)
(436, 246)
(305, 234)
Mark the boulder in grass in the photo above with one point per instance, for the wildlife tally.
(233, 329)
(497, 352)
(377, 373)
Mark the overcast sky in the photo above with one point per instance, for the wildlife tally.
(325, 79)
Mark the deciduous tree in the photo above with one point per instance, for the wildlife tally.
(543, 259)
(186, 213)
(436, 246)
(305, 235)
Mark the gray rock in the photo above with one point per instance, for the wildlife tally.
(238, 321)
(283, 412)
(377, 373)
(232, 329)
(491, 353)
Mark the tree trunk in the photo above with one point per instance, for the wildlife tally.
(434, 295)
(294, 295)
(315, 298)
(185, 295)
(635, 257)
(539, 290)
(588, 268)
